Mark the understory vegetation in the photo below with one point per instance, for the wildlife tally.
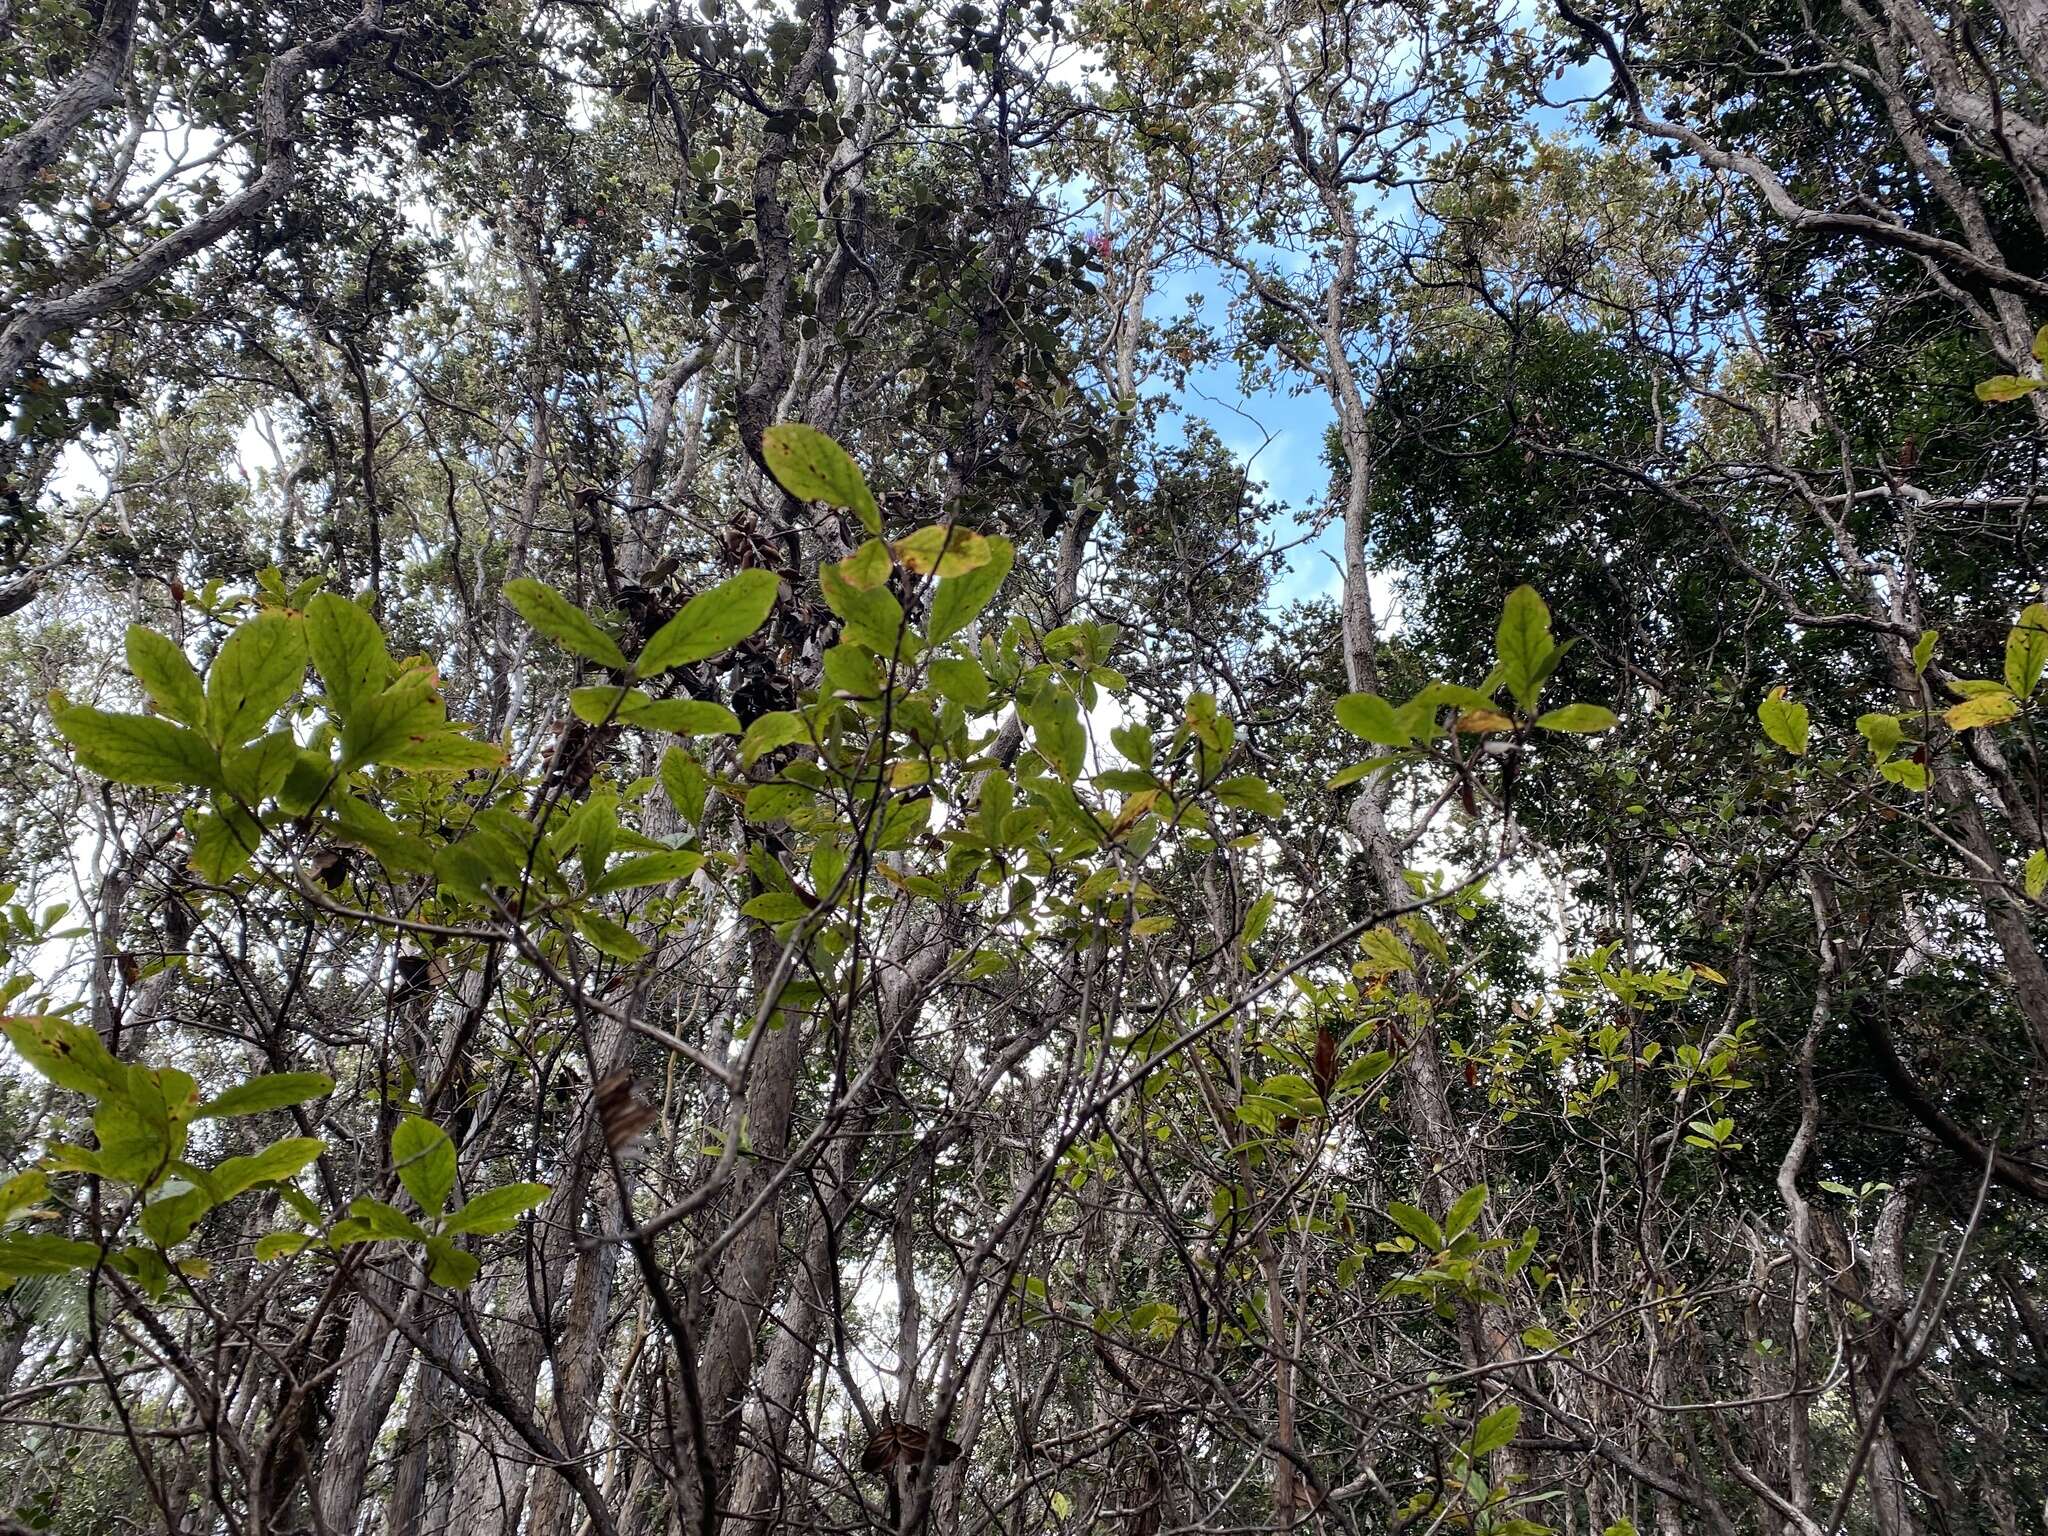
(1102, 768)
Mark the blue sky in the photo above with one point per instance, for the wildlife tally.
(1280, 432)
(1277, 433)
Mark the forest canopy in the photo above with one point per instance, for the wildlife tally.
(1102, 768)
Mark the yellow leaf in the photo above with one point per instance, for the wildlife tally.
(1985, 709)
(948, 550)
(866, 568)
(1478, 722)
(1784, 721)
(2004, 387)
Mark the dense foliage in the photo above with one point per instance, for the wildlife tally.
(679, 854)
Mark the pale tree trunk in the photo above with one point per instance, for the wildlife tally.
(744, 1274)
(578, 1365)
(492, 1486)
(1137, 257)
(911, 965)
(508, 635)
(422, 1442)
(375, 1358)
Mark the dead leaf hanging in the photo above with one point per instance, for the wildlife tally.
(621, 1111)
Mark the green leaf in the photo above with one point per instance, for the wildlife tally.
(1417, 1224)
(2037, 874)
(166, 676)
(1249, 792)
(444, 750)
(1056, 730)
(2000, 388)
(372, 1221)
(1496, 1430)
(711, 622)
(390, 844)
(960, 599)
(224, 840)
(776, 907)
(408, 711)
(425, 1160)
(964, 682)
(685, 784)
(406, 726)
(301, 1204)
(169, 1221)
(22, 1191)
(563, 622)
(1371, 718)
(448, 1265)
(281, 1160)
(852, 672)
(1923, 649)
(141, 1128)
(778, 728)
(649, 869)
(44, 1253)
(591, 830)
(1784, 721)
(2041, 345)
(69, 1055)
(873, 616)
(1583, 719)
(811, 467)
(151, 1272)
(273, 1090)
(348, 652)
(279, 1245)
(686, 717)
(261, 667)
(2026, 650)
(1464, 1210)
(1984, 710)
(1385, 949)
(1348, 776)
(496, 1210)
(257, 771)
(139, 749)
(593, 706)
(1906, 773)
(1522, 644)
(608, 937)
(777, 801)
(679, 717)
(1882, 731)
